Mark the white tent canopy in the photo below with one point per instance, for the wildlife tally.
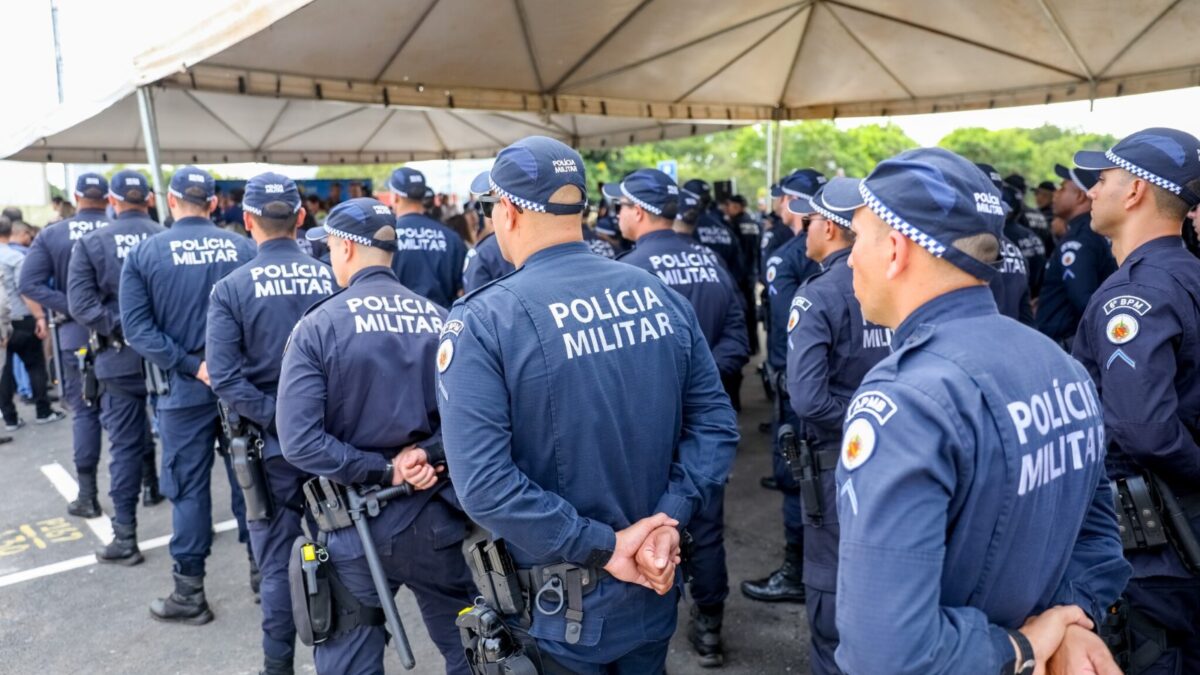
(256, 76)
(209, 128)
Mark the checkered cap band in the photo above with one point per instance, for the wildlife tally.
(519, 201)
(899, 224)
(652, 209)
(1142, 173)
(829, 215)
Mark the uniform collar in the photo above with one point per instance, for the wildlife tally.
(367, 273)
(282, 244)
(132, 213)
(557, 251)
(90, 212)
(656, 235)
(963, 303)
(193, 221)
(1077, 224)
(1149, 248)
(835, 258)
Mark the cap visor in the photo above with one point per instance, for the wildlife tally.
(800, 206)
(316, 234)
(612, 190)
(1063, 172)
(1093, 159)
(776, 191)
(482, 184)
(841, 194)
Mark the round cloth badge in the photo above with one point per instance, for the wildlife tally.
(1068, 258)
(445, 354)
(1121, 329)
(858, 444)
(770, 274)
(793, 319)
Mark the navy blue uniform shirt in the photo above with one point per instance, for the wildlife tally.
(1032, 249)
(94, 284)
(250, 315)
(484, 264)
(1011, 286)
(357, 387)
(830, 348)
(774, 237)
(988, 502)
(598, 245)
(520, 360)
(787, 269)
(429, 259)
(165, 286)
(1140, 341)
(45, 275)
(694, 272)
(717, 235)
(1080, 263)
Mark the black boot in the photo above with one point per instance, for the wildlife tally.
(185, 605)
(86, 505)
(150, 494)
(276, 667)
(255, 577)
(124, 549)
(785, 584)
(704, 632)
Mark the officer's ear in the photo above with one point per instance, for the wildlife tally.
(901, 249)
(248, 221)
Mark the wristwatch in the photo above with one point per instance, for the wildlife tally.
(1025, 662)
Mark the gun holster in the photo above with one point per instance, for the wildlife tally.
(157, 382)
(90, 386)
(806, 464)
(246, 443)
(1149, 515)
(322, 607)
(492, 647)
(328, 504)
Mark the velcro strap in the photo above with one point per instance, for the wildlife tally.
(827, 459)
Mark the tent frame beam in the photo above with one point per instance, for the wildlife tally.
(150, 134)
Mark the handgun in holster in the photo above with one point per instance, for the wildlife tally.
(245, 442)
(805, 468)
(85, 358)
(157, 382)
(492, 647)
(1149, 515)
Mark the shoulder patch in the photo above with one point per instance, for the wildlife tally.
(801, 302)
(771, 274)
(445, 354)
(1129, 302)
(1067, 258)
(874, 403)
(1121, 328)
(452, 327)
(793, 319)
(858, 444)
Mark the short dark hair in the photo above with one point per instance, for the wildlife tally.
(5, 226)
(14, 214)
(237, 194)
(1172, 205)
(277, 219)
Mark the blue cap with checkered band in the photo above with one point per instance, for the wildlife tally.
(530, 171)
(365, 221)
(1168, 158)
(930, 195)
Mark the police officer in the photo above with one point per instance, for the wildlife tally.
(787, 270)
(988, 504)
(713, 231)
(514, 361)
(430, 256)
(1140, 340)
(606, 227)
(94, 279)
(356, 405)
(749, 237)
(165, 286)
(649, 200)
(44, 280)
(250, 315)
(484, 263)
(1080, 263)
(1010, 285)
(830, 348)
(599, 245)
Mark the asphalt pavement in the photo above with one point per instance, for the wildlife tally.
(60, 612)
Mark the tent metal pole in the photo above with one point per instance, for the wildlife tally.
(150, 134)
(778, 154)
(770, 156)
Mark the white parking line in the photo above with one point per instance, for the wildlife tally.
(86, 560)
(101, 526)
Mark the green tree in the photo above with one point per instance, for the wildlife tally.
(1029, 152)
